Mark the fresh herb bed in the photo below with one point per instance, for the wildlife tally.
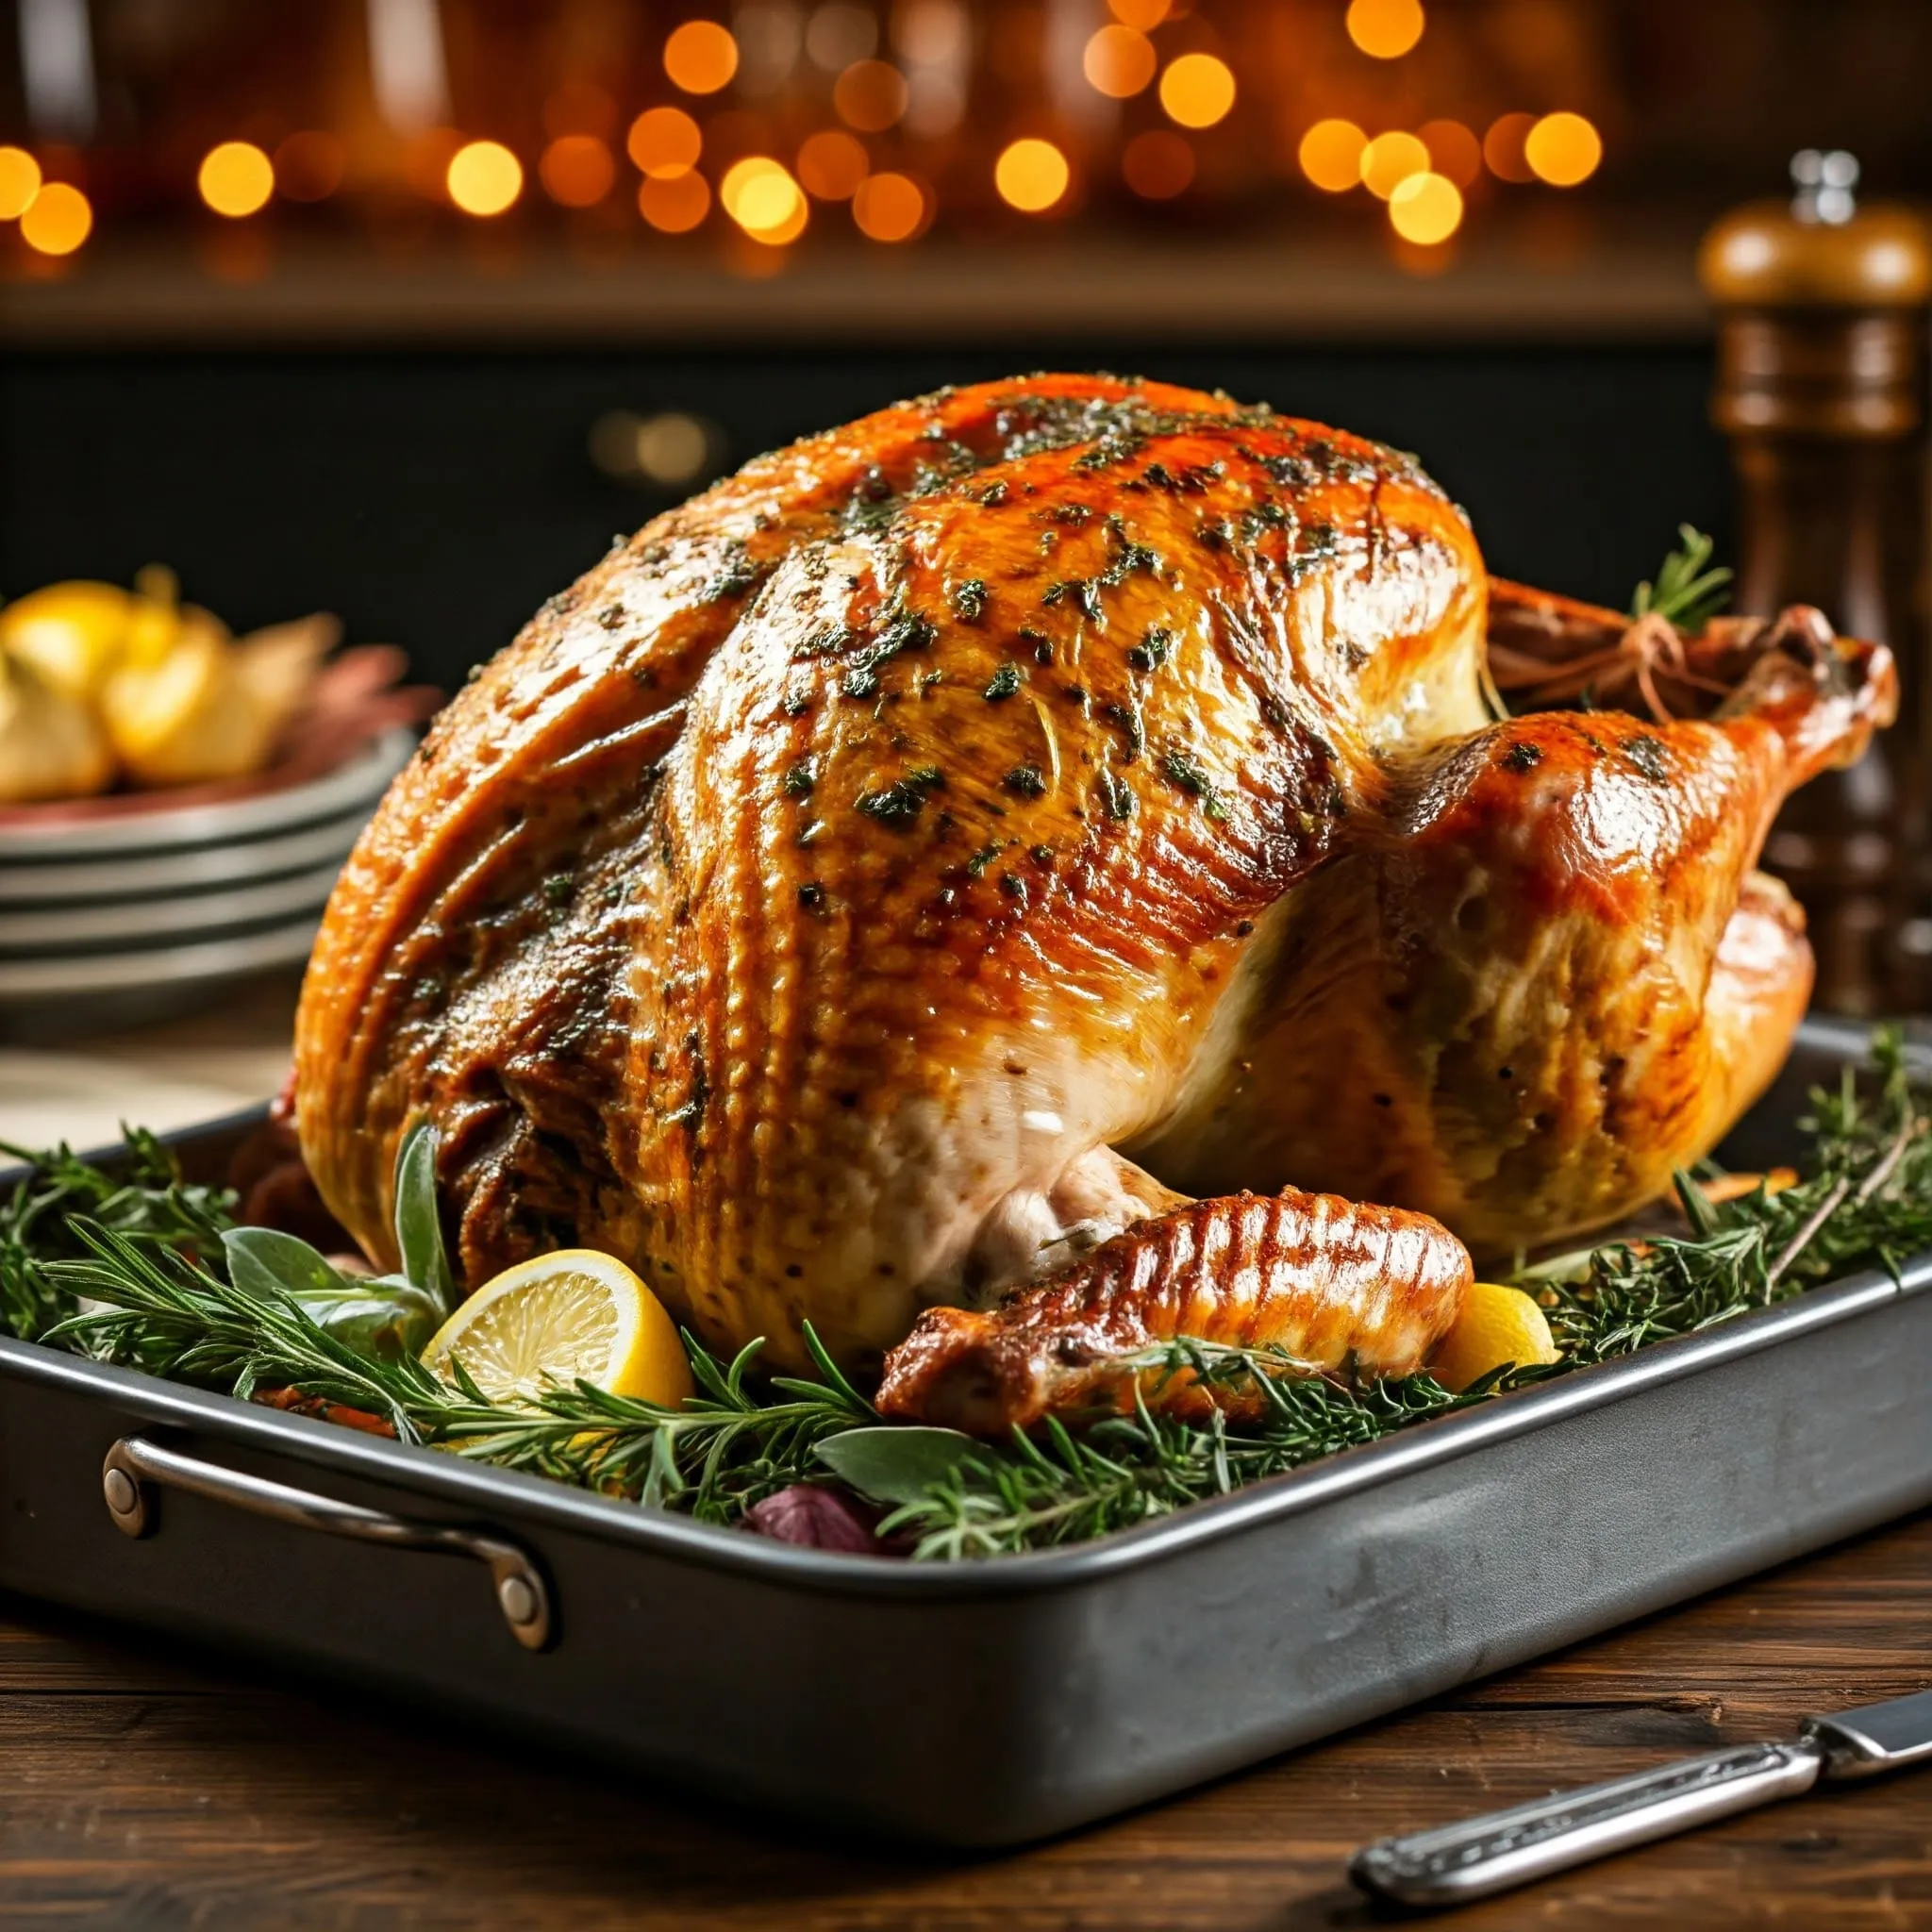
(141, 1269)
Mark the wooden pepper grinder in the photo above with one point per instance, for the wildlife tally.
(1821, 388)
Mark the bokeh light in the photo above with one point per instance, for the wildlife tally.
(1390, 159)
(1197, 89)
(701, 56)
(19, 181)
(236, 178)
(831, 164)
(57, 220)
(1143, 16)
(577, 171)
(309, 165)
(1385, 28)
(889, 207)
(1158, 164)
(1563, 149)
(484, 177)
(870, 95)
(1119, 61)
(664, 143)
(1453, 149)
(1331, 155)
(761, 196)
(1426, 208)
(1503, 147)
(1031, 174)
(674, 204)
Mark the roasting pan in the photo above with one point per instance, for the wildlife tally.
(992, 1702)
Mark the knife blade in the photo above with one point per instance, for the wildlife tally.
(1457, 1863)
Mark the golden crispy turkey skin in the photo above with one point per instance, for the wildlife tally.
(810, 900)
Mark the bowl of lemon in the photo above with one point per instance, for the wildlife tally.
(176, 800)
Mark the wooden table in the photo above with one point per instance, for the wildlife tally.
(146, 1787)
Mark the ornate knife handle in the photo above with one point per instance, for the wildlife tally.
(134, 1466)
(1471, 1860)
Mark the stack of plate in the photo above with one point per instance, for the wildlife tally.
(123, 916)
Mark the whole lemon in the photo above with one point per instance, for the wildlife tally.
(1496, 1326)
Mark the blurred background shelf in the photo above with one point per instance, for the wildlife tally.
(1555, 280)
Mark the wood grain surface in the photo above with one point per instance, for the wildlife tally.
(147, 1786)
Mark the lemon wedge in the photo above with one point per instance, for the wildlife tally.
(70, 634)
(1496, 1326)
(559, 1319)
(187, 717)
(50, 746)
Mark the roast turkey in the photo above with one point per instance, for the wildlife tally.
(957, 882)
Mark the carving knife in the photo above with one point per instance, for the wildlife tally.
(1457, 1863)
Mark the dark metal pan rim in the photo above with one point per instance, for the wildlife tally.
(492, 1491)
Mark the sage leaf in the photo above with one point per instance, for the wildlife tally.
(893, 1464)
(265, 1262)
(419, 1227)
(378, 1318)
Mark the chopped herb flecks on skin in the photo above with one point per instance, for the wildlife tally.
(902, 630)
(1003, 683)
(1180, 768)
(899, 804)
(1648, 755)
(1027, 780)
(1128, 719)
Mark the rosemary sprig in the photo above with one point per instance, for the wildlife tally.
(146, 1200)
(145, 1270)
(1867, 1202)
(1688, 590)
(1064, 1487)
(730, 1446)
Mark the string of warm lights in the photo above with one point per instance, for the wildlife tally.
(1423, 176)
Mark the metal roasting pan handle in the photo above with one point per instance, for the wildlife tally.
(1482, 1855)
(134, 1466)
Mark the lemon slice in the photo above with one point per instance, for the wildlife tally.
(559, 1319)
(1496, 1325)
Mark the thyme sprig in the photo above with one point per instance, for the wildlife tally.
(145, 1199)
(1688, 590)
(1866, 1202)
